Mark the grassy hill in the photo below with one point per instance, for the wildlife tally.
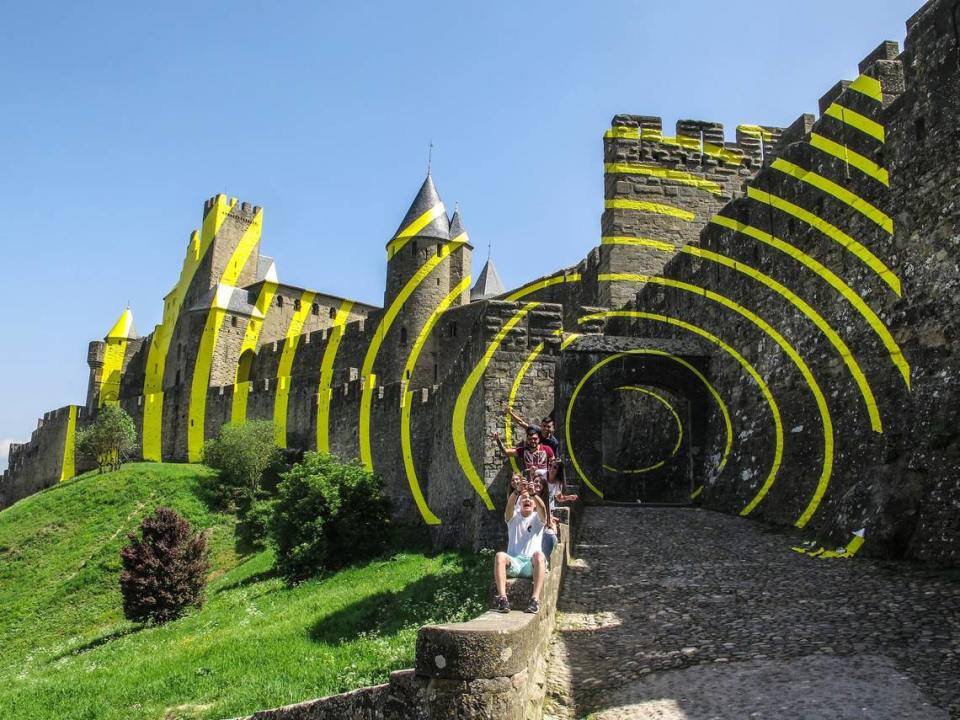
(67, 652)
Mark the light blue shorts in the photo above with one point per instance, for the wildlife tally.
(520, 566)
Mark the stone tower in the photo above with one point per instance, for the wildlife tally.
(427, 259)
(108, 359)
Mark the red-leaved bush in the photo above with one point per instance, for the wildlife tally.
(164, 569)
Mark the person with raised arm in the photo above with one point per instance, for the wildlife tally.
(526, 517)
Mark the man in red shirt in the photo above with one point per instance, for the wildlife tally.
(532, 454)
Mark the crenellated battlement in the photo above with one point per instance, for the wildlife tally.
(695, 141)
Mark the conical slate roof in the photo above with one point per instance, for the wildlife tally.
(123, 329)
(488, 284)
(456, 227)
(426, 218)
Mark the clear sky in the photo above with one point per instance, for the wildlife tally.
(117, 120)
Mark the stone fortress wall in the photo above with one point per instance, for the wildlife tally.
(788, 297)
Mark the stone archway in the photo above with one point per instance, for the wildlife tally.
(633, 412)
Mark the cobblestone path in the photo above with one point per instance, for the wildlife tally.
(685, 614)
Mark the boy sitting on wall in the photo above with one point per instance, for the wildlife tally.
(526, 517)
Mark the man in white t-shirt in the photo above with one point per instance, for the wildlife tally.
(526, 518)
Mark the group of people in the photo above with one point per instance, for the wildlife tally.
(531, 500)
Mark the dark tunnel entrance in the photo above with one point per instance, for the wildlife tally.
(634, 414)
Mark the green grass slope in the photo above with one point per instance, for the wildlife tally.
(67, 652)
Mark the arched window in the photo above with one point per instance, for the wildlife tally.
(280, 301)
(245, 365)
(403, 336)
(315, 309)
(333, 313)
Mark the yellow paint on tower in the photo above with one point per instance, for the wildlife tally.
(200, 382)
(68, 466)
(326, 375)
(163, 333)
(290, 343)
(251, 339)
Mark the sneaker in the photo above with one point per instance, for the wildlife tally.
(533, 607)
(501, 604)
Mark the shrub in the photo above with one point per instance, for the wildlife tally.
(110, 440)
(240, 453)
(164, 570)
(328, 514)
(252, 527)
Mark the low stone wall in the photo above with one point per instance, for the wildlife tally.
(492, 667)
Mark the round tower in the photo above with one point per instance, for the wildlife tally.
(422, 259)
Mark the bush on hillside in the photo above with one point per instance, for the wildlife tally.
(164, 568)
(241, 453)
(253, 526)
(110, 440)
(328, 514)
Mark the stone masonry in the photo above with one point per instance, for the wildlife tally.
(788, 297)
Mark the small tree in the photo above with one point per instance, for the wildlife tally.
(326, 515)
(165, 569)
(240, 453)
(110, 440)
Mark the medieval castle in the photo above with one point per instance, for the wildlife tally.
(766, 327)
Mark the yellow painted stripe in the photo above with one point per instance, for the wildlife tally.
(112, 372)
(862, 163)
(756, 131)
(200, 382)
(682, 178)
(873, 214)
(540, 285)
(325, 390)
(831, 231)
(68, 467)
(741, 360)
(857, 121)
(638, 471)
(406, 408)
(163, 333)
(724, 410)
(688, 142)
(650, 207)
(515, 388)
(285, 368)
(896, 355)
(463, 401)
(512, 397)
(821, 553)
(366, 372)
(868, 86)
(251, 339)
(403, 237)
(696, 493)
(815, 317)
(723, 153)
(676, 447)
(660, 245)
(821, 401)
(669, 407)
(115, 351)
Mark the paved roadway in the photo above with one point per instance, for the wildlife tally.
(686, 614)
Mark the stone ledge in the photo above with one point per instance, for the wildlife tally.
(494, 644)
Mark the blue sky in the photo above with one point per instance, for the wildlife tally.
(118, 120)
